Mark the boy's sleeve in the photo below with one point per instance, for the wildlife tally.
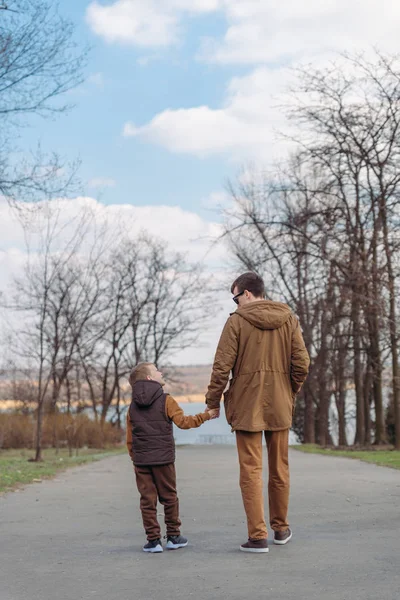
(129, 435)
(176, 414)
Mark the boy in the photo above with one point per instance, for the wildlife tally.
(151, 446)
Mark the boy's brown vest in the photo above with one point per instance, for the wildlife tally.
(152, 432)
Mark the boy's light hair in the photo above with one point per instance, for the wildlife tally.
(140, 372)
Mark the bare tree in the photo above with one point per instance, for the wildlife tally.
(39, 63)
(272, 230)
(354, 118)
(155, 304)
(43, 335)
(324, 230)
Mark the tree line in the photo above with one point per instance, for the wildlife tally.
(323, 228)
(93, 301)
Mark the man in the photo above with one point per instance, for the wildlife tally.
(263, 346)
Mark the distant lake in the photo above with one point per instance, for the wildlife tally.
(216, 431)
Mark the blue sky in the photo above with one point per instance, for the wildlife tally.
(194, 84)
(120, 89)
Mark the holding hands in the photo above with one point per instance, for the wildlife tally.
(214, 412)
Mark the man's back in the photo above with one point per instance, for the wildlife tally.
(263, 346)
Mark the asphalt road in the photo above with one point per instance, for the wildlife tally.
(79, 536)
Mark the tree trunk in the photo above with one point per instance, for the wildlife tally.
(342, 438)
(39, 423)
(373, 308)
(341, 396)
(392, 324)
(40, 406)
(309, 416)
(367, 403)
(118, 408)
(323, 409)
(68, 386)
(376, 362)
(358, 383)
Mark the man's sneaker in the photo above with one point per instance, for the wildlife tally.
(153, 546)
(176, 541)
(255, 546)
(283, 537)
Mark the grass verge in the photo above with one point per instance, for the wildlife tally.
(16, 470)
(383, 458)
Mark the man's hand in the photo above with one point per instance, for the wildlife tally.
(214, 412)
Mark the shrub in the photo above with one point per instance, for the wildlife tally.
(59, 430)
(16, 431)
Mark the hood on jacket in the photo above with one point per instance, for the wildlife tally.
(265, 314)
(146, 392)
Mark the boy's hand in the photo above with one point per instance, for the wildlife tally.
(213, 412)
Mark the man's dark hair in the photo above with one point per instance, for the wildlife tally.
(251, 282)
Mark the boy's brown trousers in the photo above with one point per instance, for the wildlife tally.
(158, 483)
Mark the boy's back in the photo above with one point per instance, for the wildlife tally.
(151, 446)
(152, 434)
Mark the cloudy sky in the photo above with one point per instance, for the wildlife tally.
(180, 93)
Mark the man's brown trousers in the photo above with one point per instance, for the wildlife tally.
(250, 446)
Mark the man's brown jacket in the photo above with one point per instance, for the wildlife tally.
(263, 346)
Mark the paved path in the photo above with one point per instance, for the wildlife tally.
(79, 536)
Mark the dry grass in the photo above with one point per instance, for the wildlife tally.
(191, 398)
(60, 430)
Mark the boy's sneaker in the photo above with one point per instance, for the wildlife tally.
(283, 537)
(153, 546)
(176, 541)
(255, 546)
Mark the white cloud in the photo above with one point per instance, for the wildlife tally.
(133, 22)
(186, 232)
(193, 130)
(272, 37)
(266, 31)
(144, 23)
(216, 201)
(245, 127)
(101, 182)
(258, 31)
